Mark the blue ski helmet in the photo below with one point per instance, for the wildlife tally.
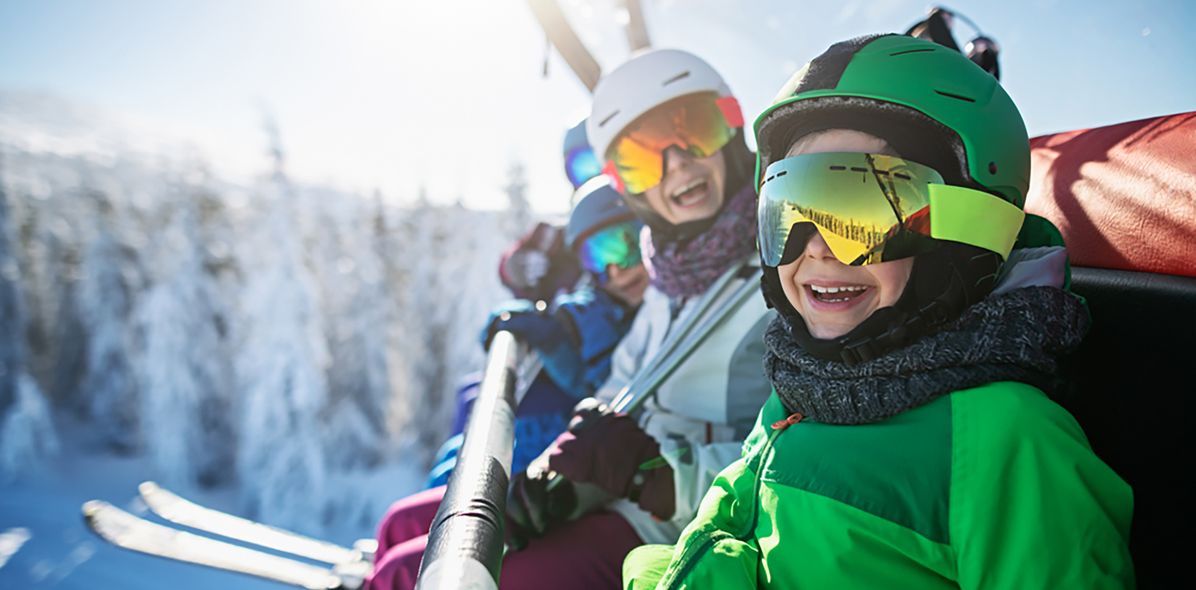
(580, 162)
(599, 206)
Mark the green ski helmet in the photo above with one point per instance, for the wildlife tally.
(934, 107)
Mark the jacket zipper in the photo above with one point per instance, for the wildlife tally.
(690, 558)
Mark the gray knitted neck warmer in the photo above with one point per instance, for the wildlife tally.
(1014, 336)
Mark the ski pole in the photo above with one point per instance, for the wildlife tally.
(636, 397)
(674, 337)
(633, 396)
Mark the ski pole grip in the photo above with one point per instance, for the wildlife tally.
(465, 543)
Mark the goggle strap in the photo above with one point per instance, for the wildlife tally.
(974, 217)
(729, 106)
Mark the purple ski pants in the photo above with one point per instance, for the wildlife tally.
(586, 553)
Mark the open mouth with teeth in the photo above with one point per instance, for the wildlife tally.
(840, 294)
(690, 194)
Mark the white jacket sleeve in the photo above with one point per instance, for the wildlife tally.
(696, 465)
(694, 469)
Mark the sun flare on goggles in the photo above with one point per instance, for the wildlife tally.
(618, 245)
(874, 208)
(699, 124)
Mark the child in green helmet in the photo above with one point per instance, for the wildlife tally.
(910, 440)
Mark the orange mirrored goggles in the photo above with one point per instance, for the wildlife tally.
(698, 124)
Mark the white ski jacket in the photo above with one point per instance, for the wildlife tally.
(701, 414)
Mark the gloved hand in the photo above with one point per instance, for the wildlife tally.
(611, 451)
(539, 265)
(525, 268)
(528, 320)
(535, 504)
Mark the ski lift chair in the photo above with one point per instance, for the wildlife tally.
(1124, 197)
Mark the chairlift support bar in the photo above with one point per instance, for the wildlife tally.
(637, 31)
(568, 44)
(465, 544)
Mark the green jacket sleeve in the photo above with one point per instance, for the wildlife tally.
(708, 554)
(726, 563)
(1031, 505)
(712, 552)
(645, 565)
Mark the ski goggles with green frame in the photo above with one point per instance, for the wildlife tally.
(874, 208)
(617, 244)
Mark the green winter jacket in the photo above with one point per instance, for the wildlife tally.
(992, 487)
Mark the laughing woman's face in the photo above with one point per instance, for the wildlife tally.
(692, 188)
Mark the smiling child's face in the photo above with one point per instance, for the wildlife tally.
(627, 284)
(833, 298)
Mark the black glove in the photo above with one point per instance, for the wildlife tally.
(536, 502)
(611, 452)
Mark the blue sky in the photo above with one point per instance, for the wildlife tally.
(446, 95)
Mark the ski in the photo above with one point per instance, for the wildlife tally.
(137, 534)
(179, 510)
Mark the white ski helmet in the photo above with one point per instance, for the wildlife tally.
(644, 82)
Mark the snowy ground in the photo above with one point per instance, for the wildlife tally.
(44, 543)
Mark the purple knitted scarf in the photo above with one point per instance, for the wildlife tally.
(686, 268)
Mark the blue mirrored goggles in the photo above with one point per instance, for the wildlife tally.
(581, 165)
(618, 244)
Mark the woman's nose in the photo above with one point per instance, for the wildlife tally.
(675, 159)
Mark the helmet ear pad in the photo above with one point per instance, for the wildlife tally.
(942, 284)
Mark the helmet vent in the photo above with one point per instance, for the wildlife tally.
(607, 119)
(678, 77)
(955, 96)
(907, 51)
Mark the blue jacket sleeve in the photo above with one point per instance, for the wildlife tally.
(595, 322)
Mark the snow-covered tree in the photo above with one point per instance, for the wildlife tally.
(359, 312)
(183, 367)
(519, 209)
(48, 248)
(450, 256)
(105, 300)
(26, 431)
(347, 322)
(281, 366)
(11, 346)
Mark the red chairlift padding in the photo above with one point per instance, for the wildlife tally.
(1124, 196)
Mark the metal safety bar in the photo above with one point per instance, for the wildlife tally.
(465, 544)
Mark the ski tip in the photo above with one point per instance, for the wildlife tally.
(91, 507)
(147, 487)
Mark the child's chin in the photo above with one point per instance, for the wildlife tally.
(823, 331)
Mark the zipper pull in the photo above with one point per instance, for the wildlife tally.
(793, 418)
